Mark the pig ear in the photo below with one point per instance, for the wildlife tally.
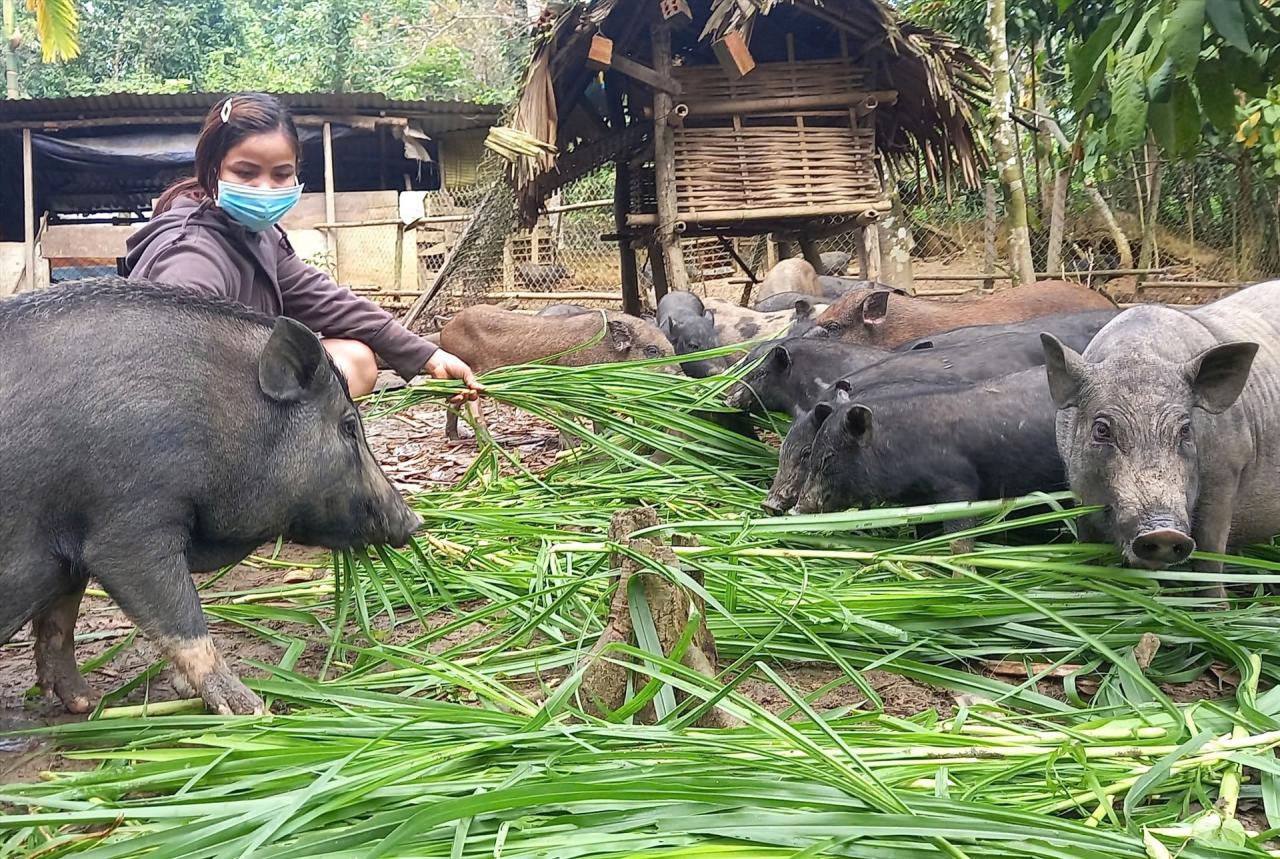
(857, 422)
(290, 362)
(710, 316)
(803, 309)
(1219, 375)
(620, 334)
(665, 327)
(821, 412)
(1066, 371)
(875, 307)
(781, 357)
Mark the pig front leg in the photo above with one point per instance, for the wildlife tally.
(55, 652)
(149, 579)
(1211, 531)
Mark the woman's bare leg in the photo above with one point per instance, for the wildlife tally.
(357, 363)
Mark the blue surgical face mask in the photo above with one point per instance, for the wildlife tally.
(257, 209)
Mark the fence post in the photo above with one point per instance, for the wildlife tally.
(989, 236)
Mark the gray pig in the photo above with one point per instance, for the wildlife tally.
(148, 433)
(1170, 420)
(691, 328)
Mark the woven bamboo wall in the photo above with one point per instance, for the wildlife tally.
(771, 80)
(829, 170)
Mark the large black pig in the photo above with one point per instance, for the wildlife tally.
(948, 442)
(149, 433)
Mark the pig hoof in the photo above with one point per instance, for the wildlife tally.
(76, 695)
(225, 695)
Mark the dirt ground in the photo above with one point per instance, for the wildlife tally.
(415, 453)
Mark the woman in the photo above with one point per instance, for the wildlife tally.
(217, 233)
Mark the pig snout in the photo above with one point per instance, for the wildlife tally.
(1160, 546)
(388, 520)
(774, 505)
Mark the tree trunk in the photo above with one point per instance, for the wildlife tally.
(1252, 233)
(895, 244)
(1104, 211)
(10, 59)
(1057, 222)
(1006, 152)
(1155, 178)
(605, 683)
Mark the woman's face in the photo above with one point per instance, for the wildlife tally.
(262, 160)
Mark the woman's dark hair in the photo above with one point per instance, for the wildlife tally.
(249, 113)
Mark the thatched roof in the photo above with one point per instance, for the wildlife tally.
(941, 86)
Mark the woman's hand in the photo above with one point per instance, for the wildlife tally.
(445, 365)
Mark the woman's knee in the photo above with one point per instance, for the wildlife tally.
(357, 363)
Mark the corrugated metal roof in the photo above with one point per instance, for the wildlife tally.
(434, 116)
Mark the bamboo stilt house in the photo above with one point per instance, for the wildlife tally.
(740, 117)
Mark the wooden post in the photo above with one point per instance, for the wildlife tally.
(860, 244)
(330, 204)
(869, 252)
(989, 236)
(28, 211)
(664, 168)
(895, 242)
(631, 302)
(658, 265)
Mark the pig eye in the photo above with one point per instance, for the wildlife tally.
(1101, 431)
(351, 426)
(808, 450)
(651, 352)
(1184, 431)
(833, 327)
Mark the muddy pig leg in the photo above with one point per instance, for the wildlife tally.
(55, 651)
(146, 574)
(1211, 531)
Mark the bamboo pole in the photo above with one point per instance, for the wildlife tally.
(664, 168)
(28, 210)
(330, 202)
(869, 212)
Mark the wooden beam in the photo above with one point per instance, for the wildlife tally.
(656, 79)
(330, 205)
(733, 54)
(100, 241)
(28, 212)
(353, 120)
(664, 168)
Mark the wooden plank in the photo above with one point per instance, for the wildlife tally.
(28, 212)
(734, 55)
(600, 54)
(101, 241)
(653, 78)
(349, 205)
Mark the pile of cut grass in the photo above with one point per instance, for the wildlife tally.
(447, 721)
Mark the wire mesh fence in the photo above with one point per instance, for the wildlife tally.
(1144, 230)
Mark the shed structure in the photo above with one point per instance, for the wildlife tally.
(79, 175)
(744, 117)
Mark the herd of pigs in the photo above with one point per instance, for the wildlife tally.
(1166, 417)
(149, 433)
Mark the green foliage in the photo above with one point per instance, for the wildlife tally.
(441, 49)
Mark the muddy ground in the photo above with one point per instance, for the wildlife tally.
(416, 455)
